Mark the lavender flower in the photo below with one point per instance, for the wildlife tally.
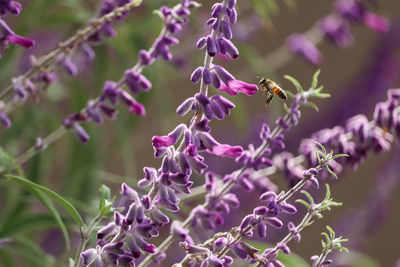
(300, 45)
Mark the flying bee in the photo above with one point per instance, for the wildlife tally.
(269, 88)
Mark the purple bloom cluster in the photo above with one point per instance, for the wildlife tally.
(335, 28)
(357, 138)
(136, 82)
(44, 72)
(360, 135)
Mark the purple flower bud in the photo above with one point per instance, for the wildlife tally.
(261, 229)
(131, 214)
(261, 210)
(145, 58)
(217, 10)
(188, 136)
(223, 74)
(133, 247)
(201, 43)
(129, 192)
(94, 114)
(110, 92)
(108, 111)
(80, 133)
(232, 200)
(350, 9)
(231, 4)
(226, 29)
(106, 230)
(211, 46)
(5, 120)
(238, 251)
(158, 216)
(288, 208)
(144, 245)
(146, 201)
(70, 67)
(284, 248)
(303, 47)
(249, 219)
(268, 196)
(215, 80)
(216, 110)
(196, 75)
(232, 16)
(206, 76)
(336, 30)
(229, 47)
(273, 221)
(220, 242)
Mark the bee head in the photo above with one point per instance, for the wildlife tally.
(262, 81)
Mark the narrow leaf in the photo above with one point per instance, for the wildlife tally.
(311, 105)
(294, 82)
(315, 79)
(59, 199)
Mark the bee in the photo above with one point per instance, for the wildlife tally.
(269, 88)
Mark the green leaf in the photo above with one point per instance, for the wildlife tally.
(331, 172)
(303, 202)
(311, 105)
(321, 146)
(319, 89)
(294, 82)
(328, 192)
(105, 195)
(308, 196)
(321, 95)
(315, 79)
(340, 155)
(59, 199)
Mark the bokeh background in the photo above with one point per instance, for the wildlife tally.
(357, 77)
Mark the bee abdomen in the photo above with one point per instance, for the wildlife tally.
(279, 92)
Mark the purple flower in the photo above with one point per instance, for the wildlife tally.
(303, 47)
(352, 10)
(336, 30)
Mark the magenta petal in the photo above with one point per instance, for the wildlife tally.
(137, 109)
(162, 141)
(233, 87)
(226, 151)
(376, 23)
(22, 41)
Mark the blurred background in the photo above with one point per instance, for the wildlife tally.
(356, 76)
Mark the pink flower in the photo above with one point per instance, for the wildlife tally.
(224, 150)
(162, 141)
(376, 23)
(233, 87)
(137, 109)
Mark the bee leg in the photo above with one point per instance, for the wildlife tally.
(269, 99)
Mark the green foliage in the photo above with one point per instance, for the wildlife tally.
(316, 209)
(324, 158)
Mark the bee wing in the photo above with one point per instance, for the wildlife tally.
(269, 99)
(264, 90)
